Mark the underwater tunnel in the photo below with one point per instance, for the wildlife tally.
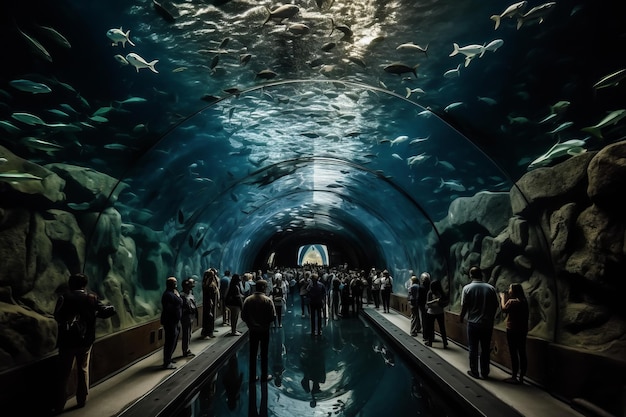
(146, 139)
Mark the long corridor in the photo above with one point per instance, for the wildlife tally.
(145, 389)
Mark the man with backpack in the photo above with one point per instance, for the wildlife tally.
(75, 313)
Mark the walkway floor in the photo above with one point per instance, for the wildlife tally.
(111, 397)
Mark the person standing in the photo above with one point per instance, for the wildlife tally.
(234, 302)
(376, 282)
(515, 305)
(479, 300)
(224, 281)
(422, 295)
(171, 314)
(81, 307)
(436, 300)
(210, 297)
(386, 288)
(416, 323)
(303, 285)
(258, 313)
(278, 297)
(190, 313)
(317, 297)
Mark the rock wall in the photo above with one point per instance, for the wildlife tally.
(560, 233)
(47, 216)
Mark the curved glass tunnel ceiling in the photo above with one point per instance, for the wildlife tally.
(329, 156)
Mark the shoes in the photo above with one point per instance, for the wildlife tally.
(169, 366)
(280, 325)
(473, 374)
(512, 380)
(445, 345)
(204, 337)
(236, 333)
(264, 378)
(305, 385)
(212, 336)
(413, 334)
(189, 353)
(429, 344)
(319, 333)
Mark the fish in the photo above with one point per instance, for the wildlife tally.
(356, 60)
(410, 46)
(14, 176)
(570, 147)
(41, 145)
(118, 36)
(610, 80)
(412, 160)
(535, 14)
(511, 11)
(214, 62)
(163, 12)
(560, 107)
(138, 62)
(451, 184)
(399, 139)
(30, 86)
(131, 100)
(492, 46)
(561, 127)
(398, 157)
(9, 127)
(468, 50)
(453, 73)
(487, 100)
(120, 59)
(453, 106)
(298, 29)
(56, 36)
(244, 59)
(224, 43)
(611, 119)
(410, 91)
(328, 46)
(27, 118)
(266, 74)
(548, 118)
(35, 45)
(282, 12)
(400, 68)
(347, 32)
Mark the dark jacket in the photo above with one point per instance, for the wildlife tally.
(88, 307)
(172, 308)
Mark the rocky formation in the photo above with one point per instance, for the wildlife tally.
(60, 219)
(560, 232)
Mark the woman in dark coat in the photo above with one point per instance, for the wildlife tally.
(515, 305)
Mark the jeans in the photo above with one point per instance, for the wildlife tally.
(479, 340)
(171, 332)
(66, 360)
(259, 339)
(517, 349)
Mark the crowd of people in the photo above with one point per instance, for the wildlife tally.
(261, 298)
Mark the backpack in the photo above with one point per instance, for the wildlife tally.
(74, 330)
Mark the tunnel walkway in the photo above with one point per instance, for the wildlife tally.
(146, 380)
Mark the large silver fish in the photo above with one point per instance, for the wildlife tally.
(535, 14)
(283, 12)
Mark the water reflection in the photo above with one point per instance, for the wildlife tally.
(349, 371)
